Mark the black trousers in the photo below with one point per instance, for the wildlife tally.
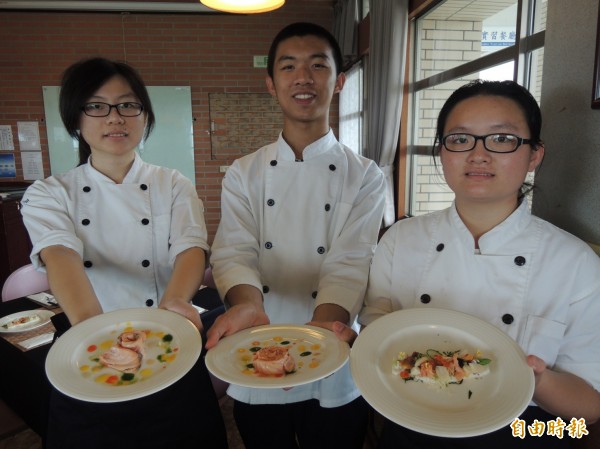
(186, 415)
(394, 436)
(304, 425)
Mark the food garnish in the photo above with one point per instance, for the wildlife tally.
(440, 367)
(22, 321)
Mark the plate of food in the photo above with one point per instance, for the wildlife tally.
(277, 356)
(24, 321)
(122, 355)
(441, 372)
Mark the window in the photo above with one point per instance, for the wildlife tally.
(456, 42)
(351, 109)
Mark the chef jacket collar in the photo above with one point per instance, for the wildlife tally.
(130, 178)
(318, 147)
(495, 240)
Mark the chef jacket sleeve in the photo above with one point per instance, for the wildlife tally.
(579, 351)
(188, 229)
(378, 298)
(345, 270)
(46, 215)
(234, 255)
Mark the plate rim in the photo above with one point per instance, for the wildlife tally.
(227, 343)
(185, 330)
(430, 316)
(41, 323)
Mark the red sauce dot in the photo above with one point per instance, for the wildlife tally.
(112, 380)
(92, 348)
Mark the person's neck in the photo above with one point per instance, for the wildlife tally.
(480, 218)
(113, 167)
(300, 135)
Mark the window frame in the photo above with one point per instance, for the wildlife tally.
(521, 54)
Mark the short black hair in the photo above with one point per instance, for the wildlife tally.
(300, 29)
(82, 80)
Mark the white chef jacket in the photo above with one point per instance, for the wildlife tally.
(536, 282)
(127, 234)
(302, 232)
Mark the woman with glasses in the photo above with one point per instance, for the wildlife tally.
(115, 233)
(489, 257)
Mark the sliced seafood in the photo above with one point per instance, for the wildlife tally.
(273, 361)
(122, 359)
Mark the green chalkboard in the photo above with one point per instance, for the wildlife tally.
(171, 143)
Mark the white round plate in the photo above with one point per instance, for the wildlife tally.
(316, 351)
(474, 407)
(72, 366)
(44, 315)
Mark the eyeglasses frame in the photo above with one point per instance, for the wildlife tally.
(111, 106)
(520, 141)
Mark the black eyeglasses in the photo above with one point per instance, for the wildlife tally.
(496, 143)
(98, 109)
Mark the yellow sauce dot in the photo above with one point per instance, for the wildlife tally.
(105, 345)
(102, 378)
(241, 350)
(246, 358)
(84, 368)
(146, 372)
(301, 348)
(255, 343)
(248, 372)
(128, 329)
(277, 338)
(315, 347)
(169, 357)
(314, 364)
(97, 368)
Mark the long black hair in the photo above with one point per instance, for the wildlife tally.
(82, 80)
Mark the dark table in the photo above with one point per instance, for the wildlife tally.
(23, 382)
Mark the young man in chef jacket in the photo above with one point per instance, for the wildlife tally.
(300, 220)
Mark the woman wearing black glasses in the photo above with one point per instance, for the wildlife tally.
(488, 256)
(115, 233)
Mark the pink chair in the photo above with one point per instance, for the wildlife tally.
(24, 281)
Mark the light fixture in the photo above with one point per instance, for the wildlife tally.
(243, 6)
(105, 6)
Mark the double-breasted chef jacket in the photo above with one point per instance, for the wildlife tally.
(536, 282)
(303, 232)
(127, 234)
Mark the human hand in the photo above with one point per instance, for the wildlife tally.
(236, 318)
(538, 365)
(183, 308)
(341, 331)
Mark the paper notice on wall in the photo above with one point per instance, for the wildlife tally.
(29, 136)
(32, 166)
(6, 138)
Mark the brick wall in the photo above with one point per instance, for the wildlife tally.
(210, 53)
(445, 44)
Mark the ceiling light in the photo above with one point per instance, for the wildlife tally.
(104, 6)
(243, 6)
